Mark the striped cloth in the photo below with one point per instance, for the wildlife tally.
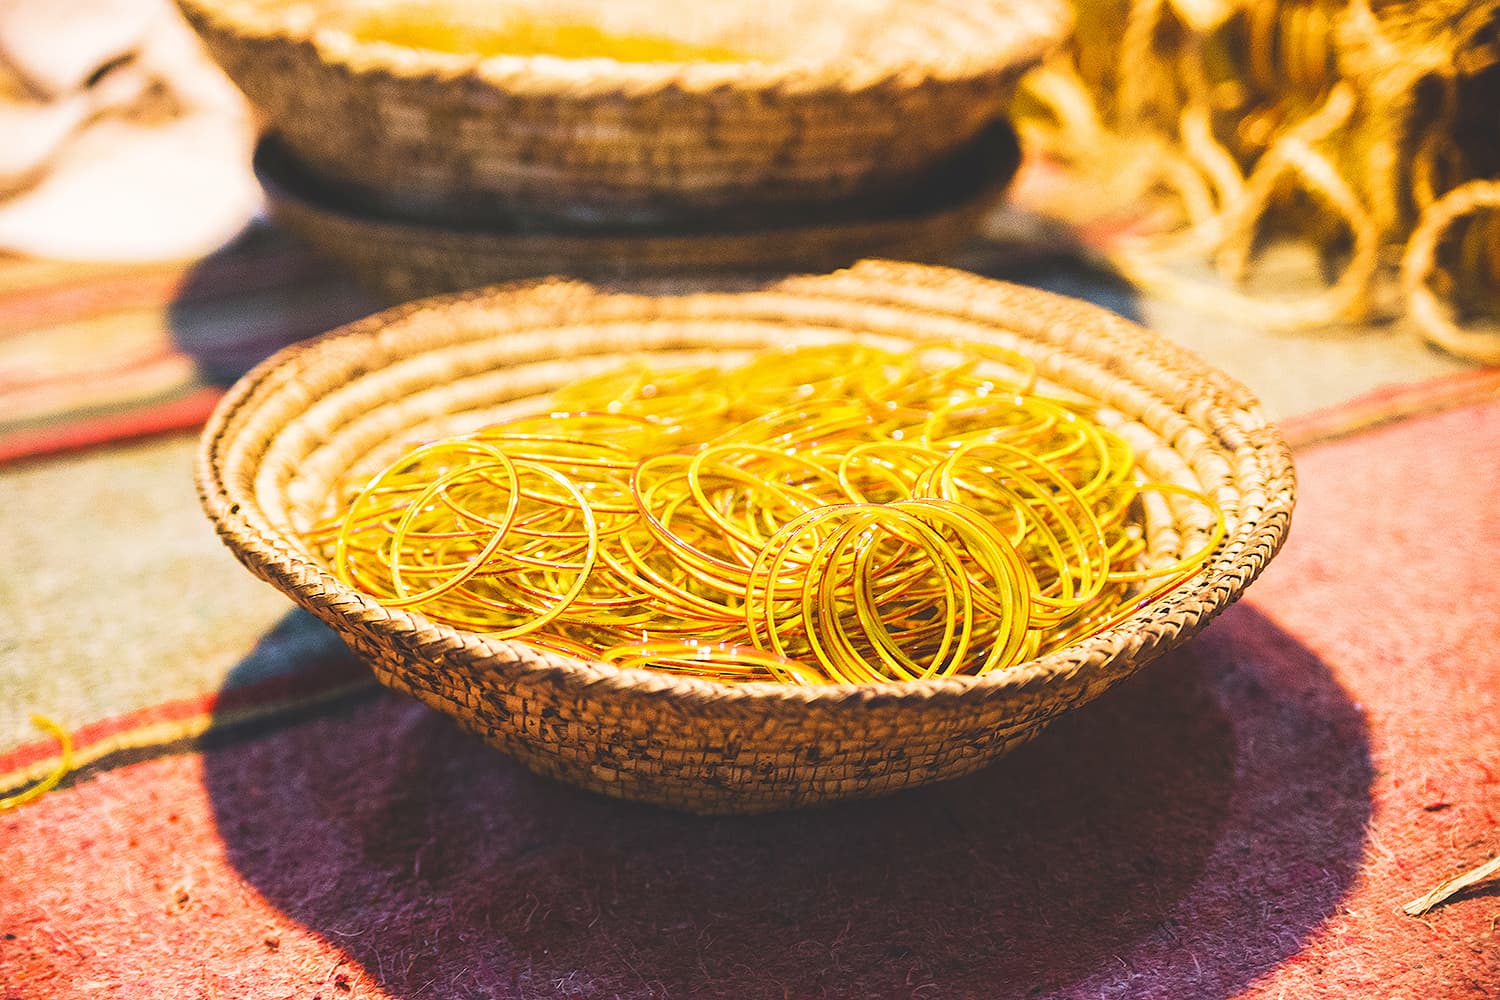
(92, 353)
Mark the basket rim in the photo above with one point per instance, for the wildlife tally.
(1214, 587)
(1036, 27)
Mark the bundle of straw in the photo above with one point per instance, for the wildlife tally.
(1366, 129)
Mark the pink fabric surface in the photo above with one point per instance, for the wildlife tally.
(1244, 818)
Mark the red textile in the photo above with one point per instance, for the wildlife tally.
(96, 353)
(179, 414)
(1242, 819)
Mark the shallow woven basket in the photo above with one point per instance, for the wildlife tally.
(857, 96)
(287, 437)
(403, 259)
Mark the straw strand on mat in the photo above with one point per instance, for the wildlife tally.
(1447, 890)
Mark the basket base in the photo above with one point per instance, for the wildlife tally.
(402, 254)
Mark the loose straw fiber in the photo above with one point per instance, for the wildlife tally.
(286, 439)
(1365, 129)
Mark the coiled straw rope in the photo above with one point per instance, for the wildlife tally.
(1367, 129)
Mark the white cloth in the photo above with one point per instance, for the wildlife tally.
(119, 139)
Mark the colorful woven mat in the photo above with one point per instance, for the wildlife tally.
(91, 353)
(1243, 819)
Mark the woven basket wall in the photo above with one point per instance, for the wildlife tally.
(282, 443)
(402, 260)
(909, 83)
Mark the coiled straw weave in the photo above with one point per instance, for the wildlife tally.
(841, 98)
(286, 438)
(401, 258)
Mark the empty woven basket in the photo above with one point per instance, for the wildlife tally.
(840, 97)
(282, 443)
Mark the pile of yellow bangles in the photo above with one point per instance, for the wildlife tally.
(839, 513)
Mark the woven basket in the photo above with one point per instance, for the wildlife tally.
(856, 96)
(401, 259)
(286, 437)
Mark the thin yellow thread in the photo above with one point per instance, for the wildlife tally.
(64, 765)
